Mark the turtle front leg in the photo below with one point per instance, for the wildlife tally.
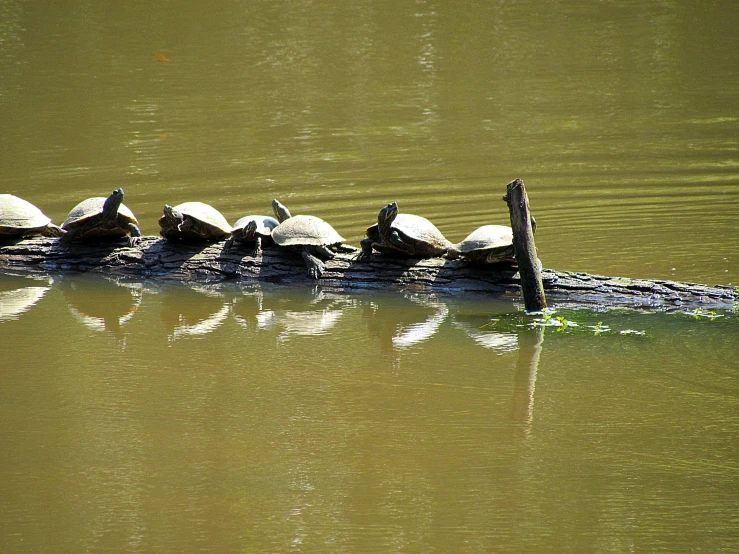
(135, 233)
(315, 266)
(257, 247)
(400, 244)
(366, 252)
(324, 251)
(67, 238)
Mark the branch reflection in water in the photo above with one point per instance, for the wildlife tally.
(530, 344)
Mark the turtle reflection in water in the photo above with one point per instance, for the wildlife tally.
(20, 219)
(402, 326)
(101, 218)
(193, 311)
(102, 304)
(405, 235)
(299, 315)
(18, 297)
(309, 235)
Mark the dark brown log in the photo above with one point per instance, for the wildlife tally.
(523, 242)
(158, 259)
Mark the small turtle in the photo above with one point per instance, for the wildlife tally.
(406, 235)
(19, 219)
(253, 228)
(488, 244)
(308, 235)
(193, 221)
(101, 218)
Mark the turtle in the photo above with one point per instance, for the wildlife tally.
(308, 235)
(488, 244)
(101, 218)
(253, 228)
(19, 219)
(193, 222)
(405, 235)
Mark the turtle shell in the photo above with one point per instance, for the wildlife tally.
(305, 230)
(419, 229)
(265, 224)
(205, 213)
(199, 222)
(487, 237)
(91, 208)
(19, 217)
(488, 244)
(427, 239)
(95, 218)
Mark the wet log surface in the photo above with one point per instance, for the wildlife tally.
(154, 258)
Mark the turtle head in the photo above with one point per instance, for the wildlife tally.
(172, 216)
(281, 212)
(386, 217)
(112, 203)
(250, 230)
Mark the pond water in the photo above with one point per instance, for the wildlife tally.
(143, 416)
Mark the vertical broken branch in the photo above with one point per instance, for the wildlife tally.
(523, 241)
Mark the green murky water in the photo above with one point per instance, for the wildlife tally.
(144, 416)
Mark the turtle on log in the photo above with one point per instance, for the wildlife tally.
(309, 235)
(405, 235)
(101, 218)
(489, 244)
(193, 222)
(20, 219)
(256, 229)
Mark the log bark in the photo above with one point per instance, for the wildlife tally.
(523, 241)
(154, 258)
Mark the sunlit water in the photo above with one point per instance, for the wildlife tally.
(141, 417)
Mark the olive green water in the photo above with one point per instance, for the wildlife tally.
(146, 417)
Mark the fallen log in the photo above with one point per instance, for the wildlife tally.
(154, 258)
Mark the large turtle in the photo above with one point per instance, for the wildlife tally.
(488, 244)
(193, 221)
(101, 218)
(256, 229)
(309, 235)
(19, 219)
(405, 235)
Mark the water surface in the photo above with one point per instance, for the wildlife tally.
(140, 417)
